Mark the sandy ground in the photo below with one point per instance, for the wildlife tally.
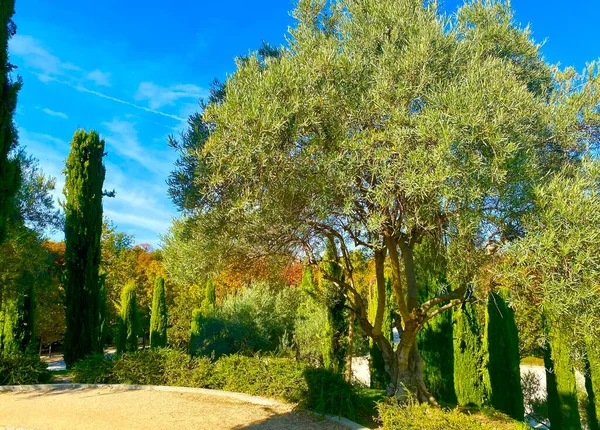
(110, 408)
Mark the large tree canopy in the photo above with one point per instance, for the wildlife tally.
(383, 122)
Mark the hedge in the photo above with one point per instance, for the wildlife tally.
(312, 388)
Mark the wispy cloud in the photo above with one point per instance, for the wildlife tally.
(147, 222)
(99, 77)
(158, 96)
(122, 136)
(55, 113)
(49, 67)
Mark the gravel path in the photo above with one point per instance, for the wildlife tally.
(112, 408)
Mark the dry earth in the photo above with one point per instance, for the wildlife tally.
(113, 408)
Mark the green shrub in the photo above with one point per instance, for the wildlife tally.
(416, 416)
(22, 369)
(272, 377)
(95, 369)
(140, 368)
(257, 319)
(146, 367)
(315, 389)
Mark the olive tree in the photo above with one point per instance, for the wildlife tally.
(379, 124)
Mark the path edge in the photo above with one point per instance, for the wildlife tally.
(255, 400)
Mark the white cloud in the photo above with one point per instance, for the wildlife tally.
(122, 137)
(48, 67)
(147, 222)
(99, 77)
(158, 96)
(55, 113)
(37, 57)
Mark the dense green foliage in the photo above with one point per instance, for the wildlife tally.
(437, 348)
(423, 417)
(29, 278)
(435, 340)
(83, 227)
(258, 318)
(501, 343)
(17, 319)
(336, 327)
(469, 358)
(560, 382)
(10, 174)
(129, 327)
(22, 369)
(158, 322)
(314, 389)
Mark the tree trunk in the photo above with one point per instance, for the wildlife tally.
(407, 372)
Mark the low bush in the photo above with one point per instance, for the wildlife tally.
(416, 416)
(22, 369)
(272, 377)
(313, 388)
(95, 369)
(147, 367)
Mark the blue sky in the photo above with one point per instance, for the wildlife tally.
(134, 70)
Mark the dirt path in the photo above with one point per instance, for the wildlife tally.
(112, 408)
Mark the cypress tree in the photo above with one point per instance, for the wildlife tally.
(435, 342)
(83, 226)
(158, 320)
(592, 387)
(10, 177)
(17, 331)
(196, 331)
(308, 281)
(379, 377)
(563, 410)
(468, 356)
(210, 298)
(501, 342)
(129, 320)
(336, 328)
(593, 357)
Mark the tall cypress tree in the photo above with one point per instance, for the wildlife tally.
(129, 325)
(83, 226)
(468, 356)
(210, 298)
(501, 343)
(158, 320)
(592, 386)
(561, 386)
(336, 329)
(593, 357)
(10, 177)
